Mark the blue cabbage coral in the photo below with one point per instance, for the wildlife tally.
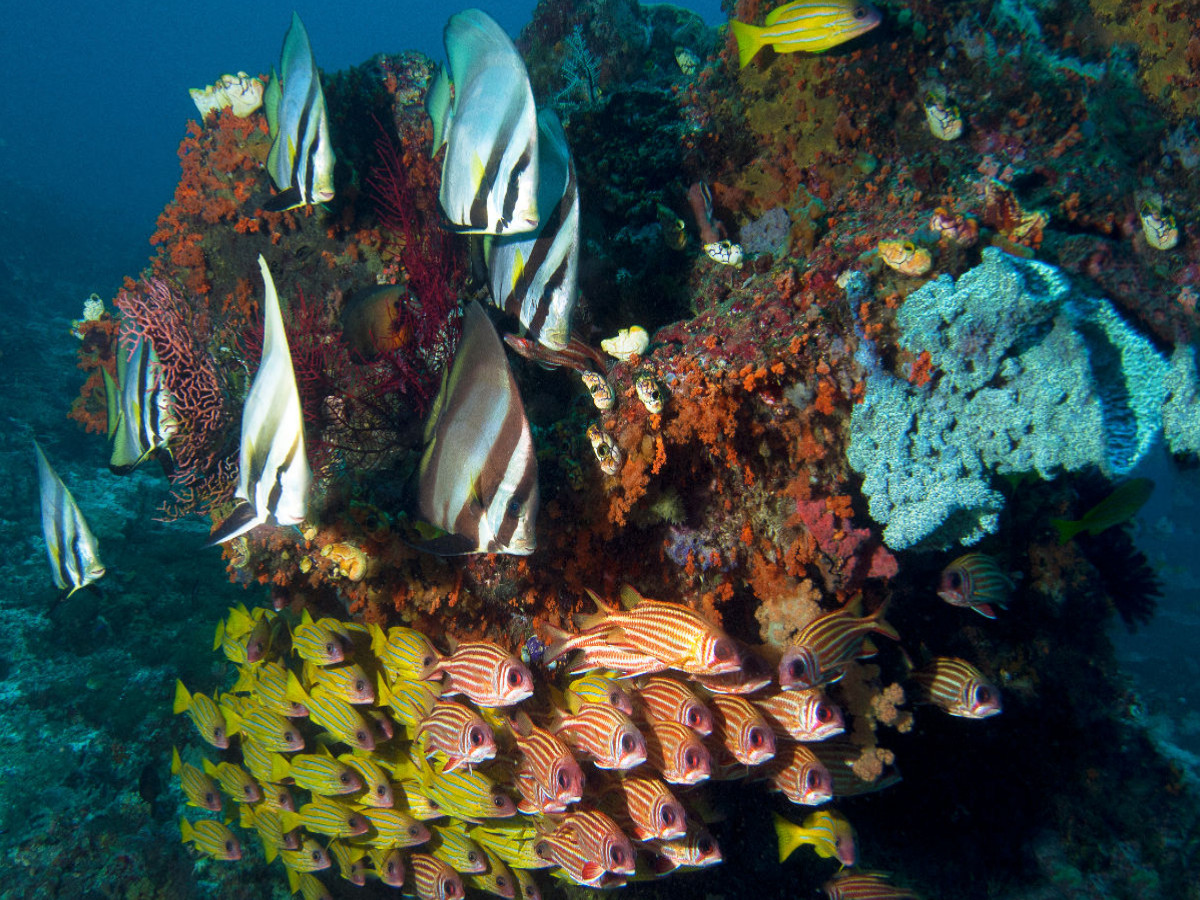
(1032, 377)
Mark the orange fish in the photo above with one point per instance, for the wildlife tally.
(645, 807)
(549, 778)
(826, 645)
(800, 775)
(458, 733)
(486, 673)
(433, 879)
(806, 715)
(959, 688)
(744, 731)
(676, 753)
(672, 701)
(604, 734)
(599, 838)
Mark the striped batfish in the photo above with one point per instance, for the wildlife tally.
(490, 171)
(70, 545)
(804, 25)
(301, 158)
(478, 475)
(141, 411)
(533, 276)
(273, 472)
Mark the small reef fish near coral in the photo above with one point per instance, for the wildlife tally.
(815, 351)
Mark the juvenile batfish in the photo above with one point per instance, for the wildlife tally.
(211, 838)
(533, 276)
(273, 472)
(141, 411)
(478, 474)
(70, 545)
(977, 582)
(825, 646)
(828, 833)
(959, 688)
(808, 26)
(301, 157)
(490, 172)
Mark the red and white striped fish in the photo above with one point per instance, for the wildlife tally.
(458, 733)
(696, 848)
(644, 807)
(976, 581)
(744, 731)
(753, 674)
(485, 672)
(576, 864)
(849, 885)
(433, 879)
(675, 635)
(672, 701)
(800, 775)
(677, 753)
(806, 715)
(959, 688)
(549, 778)
(604, 734)
(839, 757)
(599, 838)
(826, 645)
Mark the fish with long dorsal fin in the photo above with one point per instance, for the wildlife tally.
(490, 171)
(534, 276)
(141, 411)
(273, 472)
(478, 475)
(301, 158)
(70, 545)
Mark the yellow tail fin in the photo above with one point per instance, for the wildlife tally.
(749, 40)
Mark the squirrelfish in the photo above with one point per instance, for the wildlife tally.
(205, 714)
(977, 582)
(457, 733)
(864, 886)
(676, 753)
(478, 474)
(804, 715)
(828, 833)
(752, 675)
(211, 838)
(486, 673)
(433, 879)
(675, 635)
(800, 775)
(839, 757)
(273, 471)
(823, 648)
(549, 778)
(491, 171)
(809, 26)
(743, 730)
(70, 545)
(649, 807)
(598, 837)
(959, 688)
(198, 787)
(301, 158)
(604, 734)
(577, 864)
(672, 701)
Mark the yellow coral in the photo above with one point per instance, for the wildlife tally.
(351, 559)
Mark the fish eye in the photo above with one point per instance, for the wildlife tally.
(427, 661)
(705, 845)
(618, 855)
(344, 778)
(498, 801)
(514, 678)
(287, 736)
(813, 781)
(475, 736)
(381, 789)
(955, 579)
(391, 867)
(330, 649)
(627, 743)
(824, 713)
(360, 685)
(229, 846)
(667, 815)
(501, 881)
(614, 699)
(722, 650)
(218, 732)
(360, 736)
(210, 797)
(563, 780)
(472, 857)
(691, 759)
(982, 694)
(316, 855)
(756, 737)
(860, 12)
(796, 669)
(513, 509)
(412, 831)
(693, 718)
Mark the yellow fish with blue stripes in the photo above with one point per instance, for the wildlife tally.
(808, 26)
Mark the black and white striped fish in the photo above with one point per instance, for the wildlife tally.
(70, 545)
(141, 411)
(478, 475)
(273, 472)
(490, 171)
(301, 158)
(534, 276)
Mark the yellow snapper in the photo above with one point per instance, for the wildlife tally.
(1117, 508)
(828, 833)
(211, 837)
(812, 27)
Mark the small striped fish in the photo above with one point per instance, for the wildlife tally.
(976, 581)
(269, 685)
(258, 761)
(864, 886)
(752, 675)
(496, 878)
(533, 276)
(458, 733)
(576, 864)
(959, 688)
(800, 775)
(646, 807)
(198, 787)
(404, 652)
(465, 793)
(211, 838)
(490, 172)
(527, 888)
(805, 25)
(600, 687)
(486, 673)
(377, 787)
(393, 828)
(452, 846)
(828, 833)
(697, 848)
(598, 837)
(672, 701)
(141, 411)
(70, 545)
(804, 715)
(273, 472)
(675, 635)
(323, 642)
(603, 734)
(433, 879)
(347, 681)
(387, 865)
(515, 842)
(310, 857)
(478, 474)
(744, 731)
(328, 817)
(244, 636)
(676, 753)
(839, 757)
(269, 730)
(316, 772)
(349, 859)
(205, 714)
(549, 778)
(301, 157)
(340, 719)
(235, 781)
(823, 648)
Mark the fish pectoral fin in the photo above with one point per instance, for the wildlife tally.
(478, 170)
(288, 199)
(241, 520)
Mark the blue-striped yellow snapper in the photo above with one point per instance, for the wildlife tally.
(809, 26)
(827, 832)
(301, 158)
(490, 171)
